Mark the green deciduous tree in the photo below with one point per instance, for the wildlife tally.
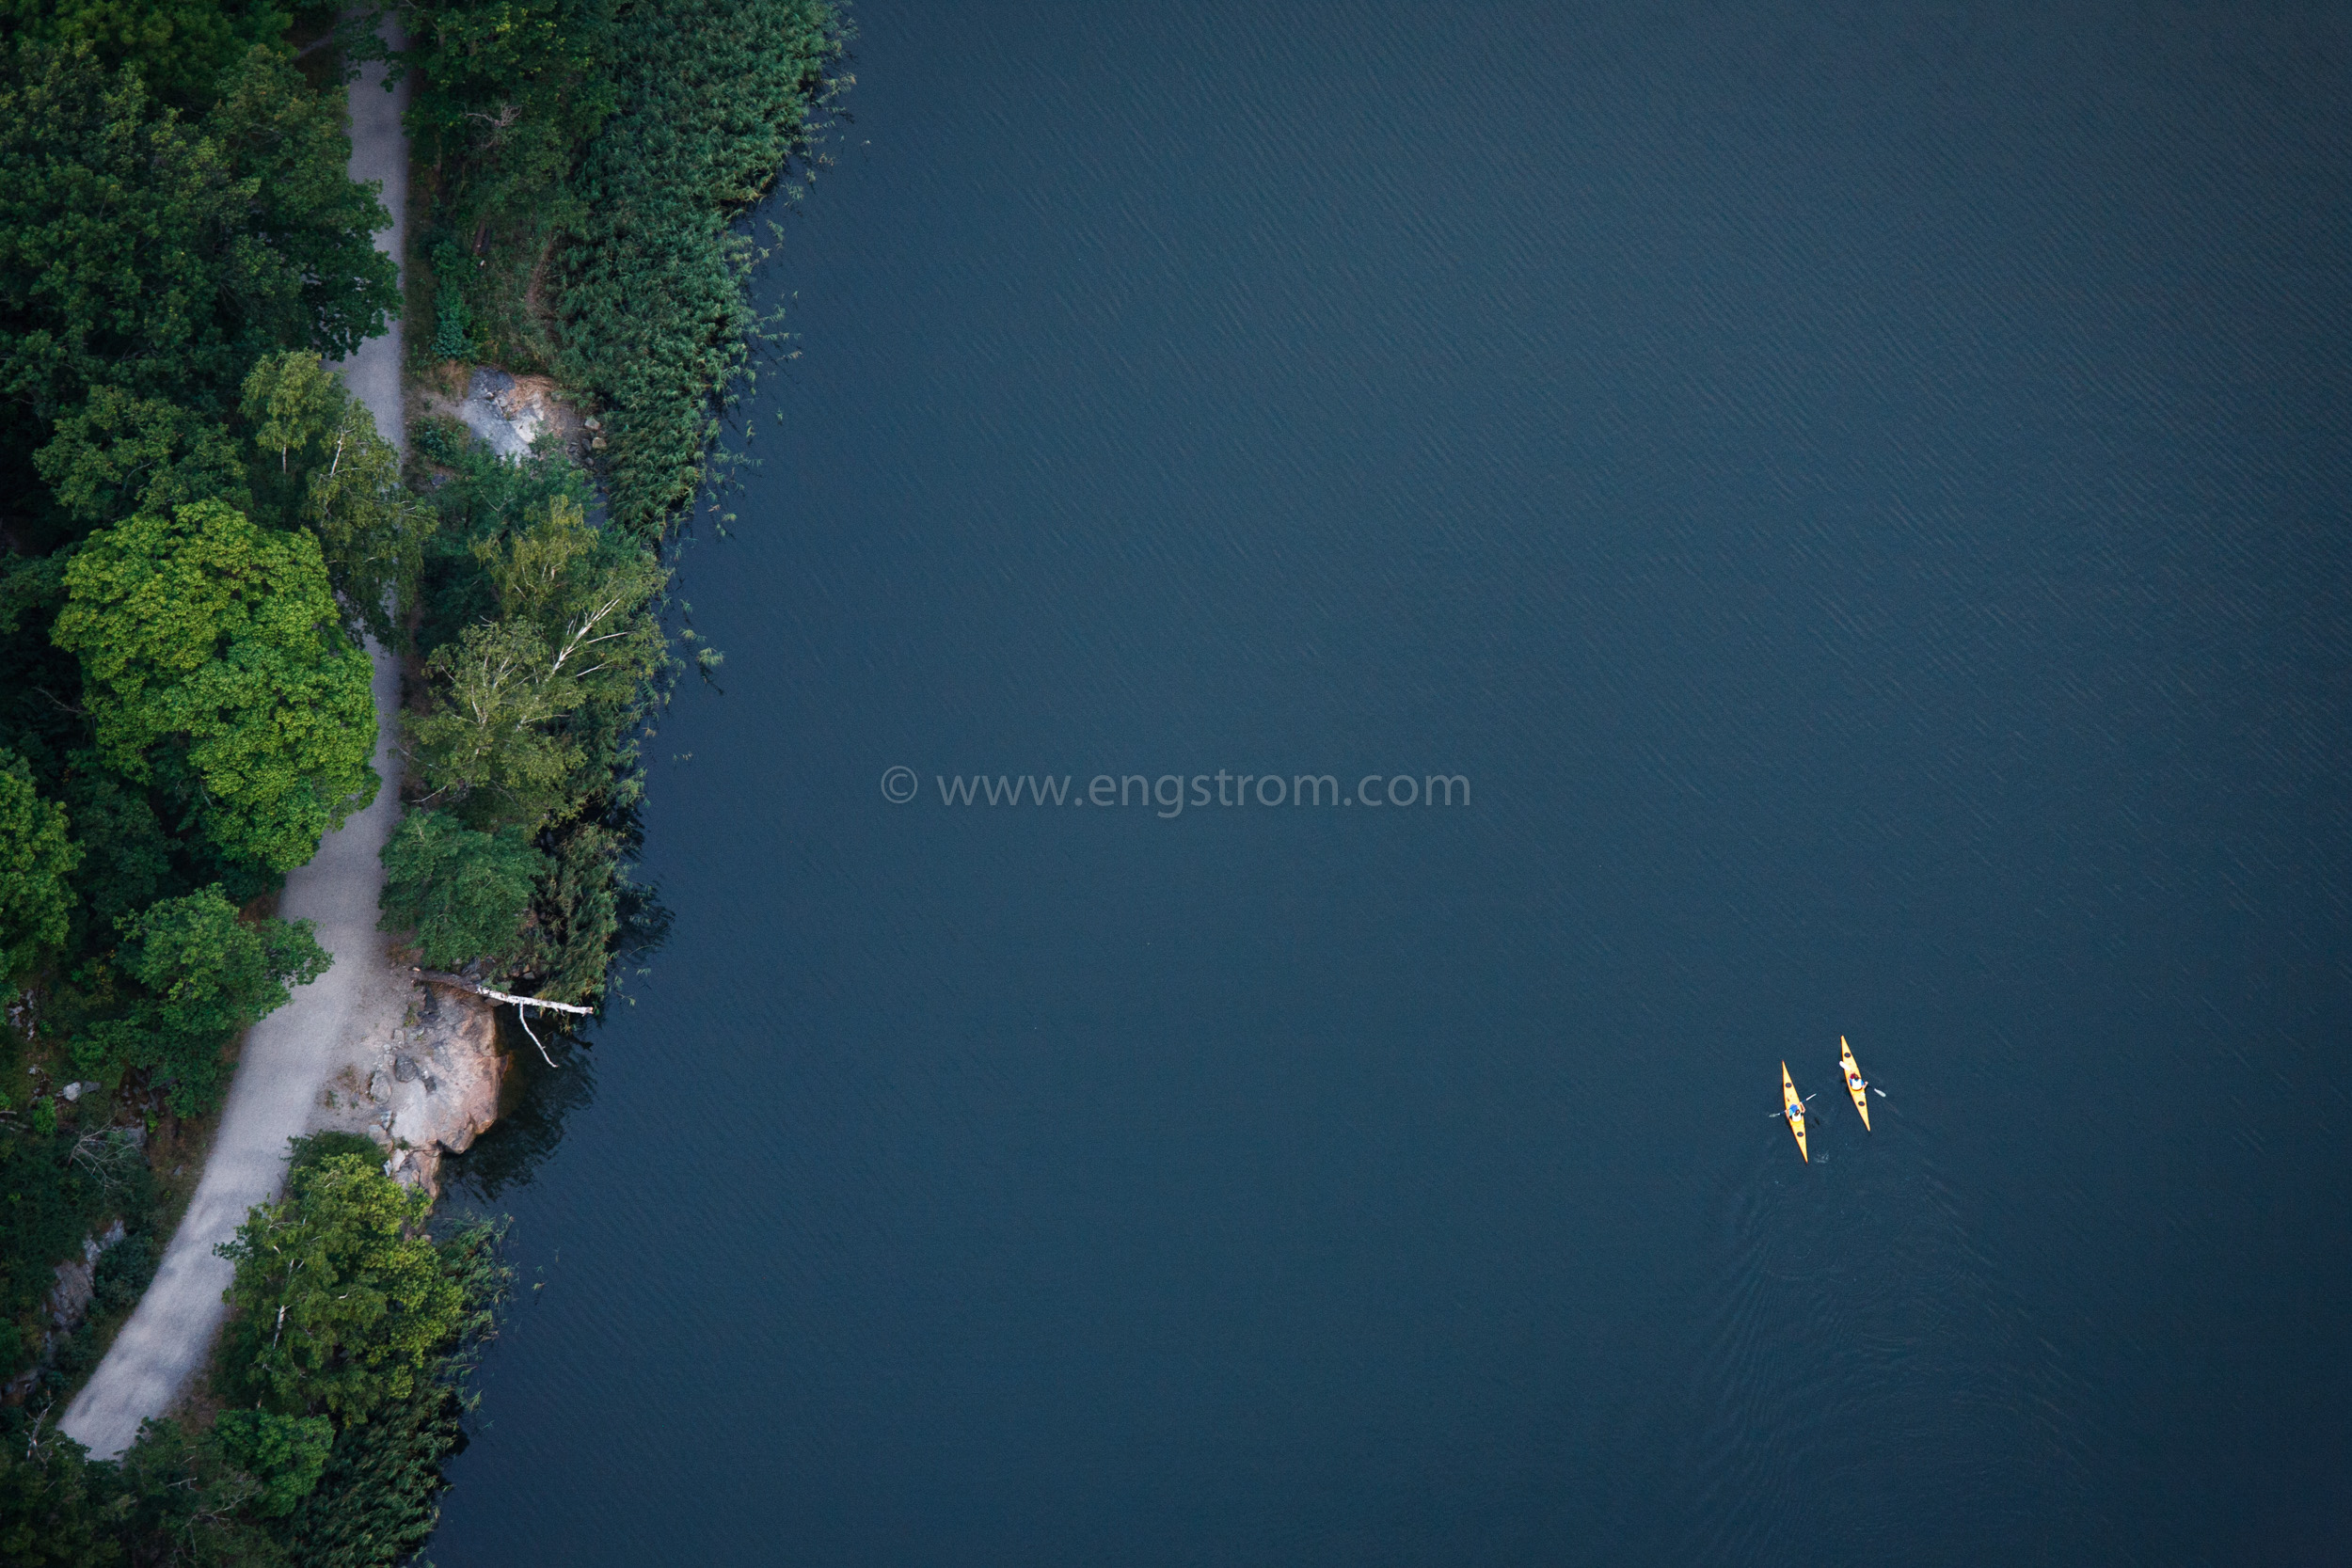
(293, 406)
(492, 731)
(206, 634)
(179, 46)
(319, 461)
(285, 1454)
(377, 1502)
(48, 1202)
(40, 684)
(502, 76)
(339, 1301)
(118, 454)
(126, 855)
(583, 908)
(182, 1497)
(201, 975)
(53, 1511)
(35, 860)
(518, 698)
(464, 892)
(482, 496)
(161, 256)
(508, 92)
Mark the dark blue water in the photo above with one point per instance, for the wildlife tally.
(1860, 492)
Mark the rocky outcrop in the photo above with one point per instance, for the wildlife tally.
(510, 412)
(437, 1083)
(68, 1304)
(70, 1298)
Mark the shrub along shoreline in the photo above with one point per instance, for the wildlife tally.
(196, 522)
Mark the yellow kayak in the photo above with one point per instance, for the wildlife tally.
(1793, 1110)
(1854, 1084)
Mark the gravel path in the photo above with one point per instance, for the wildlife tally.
(292, 1056)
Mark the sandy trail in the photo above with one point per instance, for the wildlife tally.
(292, 1056)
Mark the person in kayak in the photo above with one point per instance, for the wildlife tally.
(1855, 1083)
(1794, 1112)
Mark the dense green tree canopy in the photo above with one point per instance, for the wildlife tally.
(39, 681)
(340, 1302)
(35, 860)
(51, 1201)
(198, 976)
(464, 892)
(160, 256)
(118, 453)
(585, 901)
(284, 1453)
(509, 89)
(52, 1515)
(318, 460)
(507, 93)
(179, 46)
(575, 641)
(180, 1497)
(126, 856)
(216, 639)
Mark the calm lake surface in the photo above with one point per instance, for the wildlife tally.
(1860, 492)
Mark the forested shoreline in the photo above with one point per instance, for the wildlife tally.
(197, 526)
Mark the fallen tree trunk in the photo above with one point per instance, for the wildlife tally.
(438, 978)
(441, 977)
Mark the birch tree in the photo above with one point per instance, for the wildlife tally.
(341, 1300)
(320, 462)
(517, 697)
